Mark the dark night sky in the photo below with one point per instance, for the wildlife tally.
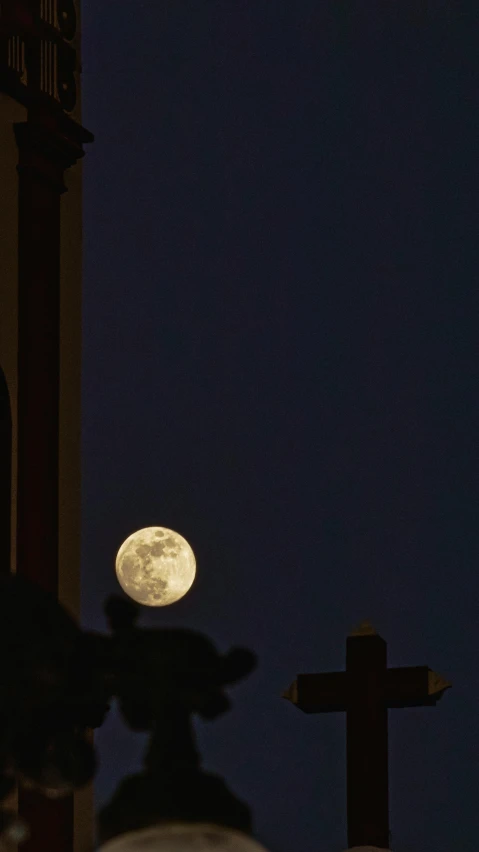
(281, 362)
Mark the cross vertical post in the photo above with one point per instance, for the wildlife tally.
(367, 742)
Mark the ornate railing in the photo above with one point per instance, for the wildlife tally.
(38, 57)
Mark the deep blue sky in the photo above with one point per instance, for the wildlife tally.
(281, 362)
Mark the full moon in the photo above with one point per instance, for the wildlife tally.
(155, 566)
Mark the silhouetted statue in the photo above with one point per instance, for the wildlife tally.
(58, 681)
(164, 677)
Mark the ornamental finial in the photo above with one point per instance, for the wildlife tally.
(364, 629)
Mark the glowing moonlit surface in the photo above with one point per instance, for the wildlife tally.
(176, 837)
(199, 837)
(155, 566)
(367, 849)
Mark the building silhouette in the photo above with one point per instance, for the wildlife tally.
(41, 145)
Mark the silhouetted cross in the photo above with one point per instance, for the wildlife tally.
(365, 691)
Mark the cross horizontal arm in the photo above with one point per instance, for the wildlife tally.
(408, 686)
(319, 693)
(413, 686)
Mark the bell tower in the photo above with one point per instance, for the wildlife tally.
(42, 144)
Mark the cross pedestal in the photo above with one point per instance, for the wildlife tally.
(365, 691)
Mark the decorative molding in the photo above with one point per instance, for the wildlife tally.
(46, 151)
